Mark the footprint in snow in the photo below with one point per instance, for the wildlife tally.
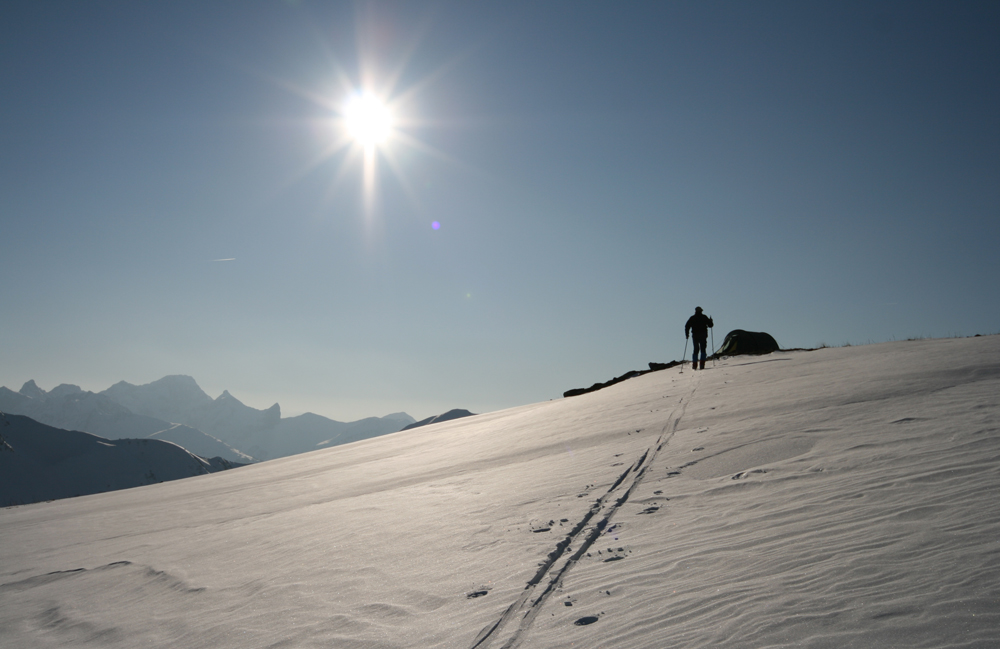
(612, 554)
(482, 591)
(541, 527)
(584, 621)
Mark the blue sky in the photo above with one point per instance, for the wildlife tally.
(825, 172)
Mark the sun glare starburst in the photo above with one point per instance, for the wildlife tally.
(368, 123)
(367, 120)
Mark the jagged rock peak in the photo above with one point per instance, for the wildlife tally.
(31, 389)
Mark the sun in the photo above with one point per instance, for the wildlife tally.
(367, 124)
(368, 120)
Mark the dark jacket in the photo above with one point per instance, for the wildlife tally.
(698, 324)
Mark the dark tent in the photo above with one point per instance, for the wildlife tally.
(747, 342)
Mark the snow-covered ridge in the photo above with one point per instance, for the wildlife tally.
(41, 463)
(840, 497)
(456, 413)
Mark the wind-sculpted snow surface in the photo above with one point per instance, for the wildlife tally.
(836, 498)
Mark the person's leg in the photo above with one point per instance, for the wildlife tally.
(699, 352)
(704, 346)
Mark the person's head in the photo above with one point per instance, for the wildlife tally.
(697, 309)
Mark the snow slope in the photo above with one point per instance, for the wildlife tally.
(837, 498)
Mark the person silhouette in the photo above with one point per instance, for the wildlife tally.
(698, 325)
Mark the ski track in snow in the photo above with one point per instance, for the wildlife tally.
(556, 565)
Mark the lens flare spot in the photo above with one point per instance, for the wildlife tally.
(436, 225)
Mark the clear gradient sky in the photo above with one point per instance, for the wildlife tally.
(828, 172)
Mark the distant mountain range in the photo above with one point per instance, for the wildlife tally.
(39, 462)
(71, 442)
(176, 409)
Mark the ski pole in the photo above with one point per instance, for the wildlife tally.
(684, 355)
(713, 342)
